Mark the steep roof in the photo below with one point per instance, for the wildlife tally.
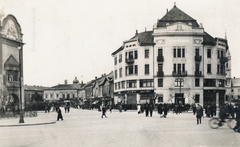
(176, 15)
(143, 38)
(208, 39)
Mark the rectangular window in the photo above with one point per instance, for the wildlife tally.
(160, 53)
(179, 68)
(179, 82)
(119, 85)
(130, 70)
(222, 54)
(209, 52)
(174, 68)
(160, 67)
(130, 56)
(123, 84)
(197, 67)
(209, 68)
(115, 86)
(146, 83)
(115, 74)
(120, 72)
(218, 67)
(218, 53)
(174, 52)
(160, 99)
(197, 83)
(126, 70)
(179, 52)
(197, 52)
(120, 58)
(146, 53)
(135, 54)
(136, 69)
(183, 68)
(183, 52)
(115, 60)
(146, 68)
(131, 83)
(160, 82)
(197, 98)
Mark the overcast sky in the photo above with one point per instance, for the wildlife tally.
(75, 38)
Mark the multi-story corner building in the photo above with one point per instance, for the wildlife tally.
(11, 64)
(176, 62)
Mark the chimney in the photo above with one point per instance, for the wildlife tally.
(65, 82)
(167, 10)
(136, 32)
(145, 29)
(96, 78)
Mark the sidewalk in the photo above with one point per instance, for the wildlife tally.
(41, 119)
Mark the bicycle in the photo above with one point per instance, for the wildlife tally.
(214, 123)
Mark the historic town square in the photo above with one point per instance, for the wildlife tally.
(119, 73)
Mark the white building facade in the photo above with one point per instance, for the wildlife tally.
(177, 62)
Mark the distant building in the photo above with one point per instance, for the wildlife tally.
(176, 62)
(11, 64)
(63, 92)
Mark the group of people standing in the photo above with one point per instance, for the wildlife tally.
(149, 108)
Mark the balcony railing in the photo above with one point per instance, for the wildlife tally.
(160, 58)
(198, 73)
(179, 73)
(198, 58)
(160, 74)
(129, 61)
(223, 59)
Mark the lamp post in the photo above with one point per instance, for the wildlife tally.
(21, 119)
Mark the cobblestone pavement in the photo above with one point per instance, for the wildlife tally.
(86, 128)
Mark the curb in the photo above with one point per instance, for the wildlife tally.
(28, 124)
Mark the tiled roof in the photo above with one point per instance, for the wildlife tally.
(208, 39)
(65, 87)
(34, 88)
(176, 15)
(144, 39)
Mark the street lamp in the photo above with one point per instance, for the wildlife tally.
(21, 119)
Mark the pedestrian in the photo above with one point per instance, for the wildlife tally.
(104, 111)
(165, 110)
(139, 109)
(59, 114)
(146, 109)
(160, 109)
(199, 111)
(194, 108)
(237, 127)
(151, 107)
(110, 108)
(120, 108)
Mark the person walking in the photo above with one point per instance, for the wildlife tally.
(59, 114)
(151, 107)
(199, 112)
(160, 109)
(104, 111)
(146, 109)
(165, 110)
(139, 109)
(194, 108)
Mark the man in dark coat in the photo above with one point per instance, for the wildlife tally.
(146, 109)
(237, 127)
(199, 112)
(59, 114)
(151, 107)
(104, 111)
(165, 110)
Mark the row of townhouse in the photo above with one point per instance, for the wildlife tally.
(95, 91)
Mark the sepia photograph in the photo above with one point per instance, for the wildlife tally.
(119, 73)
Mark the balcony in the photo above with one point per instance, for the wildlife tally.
(223, 59)
(129, 61)
(198, 58)
(179, 73)
(198, 73)
(160, 74)
(160, 58)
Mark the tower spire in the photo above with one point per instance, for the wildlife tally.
(226, 34)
